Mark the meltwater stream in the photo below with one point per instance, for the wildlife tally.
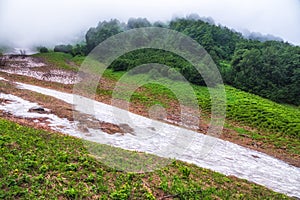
(174, 142)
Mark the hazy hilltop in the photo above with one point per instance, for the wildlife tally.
(257, 63)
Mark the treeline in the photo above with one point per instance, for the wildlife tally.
(270, 69)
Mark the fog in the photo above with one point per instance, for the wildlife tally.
(25, 23)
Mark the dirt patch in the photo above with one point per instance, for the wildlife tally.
(23, 61)
(32, 122)
(87, 122)
(61, 109)
(36, 68)
(4, 101)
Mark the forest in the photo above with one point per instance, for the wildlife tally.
(270, 69)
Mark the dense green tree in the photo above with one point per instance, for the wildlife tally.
(160, 24)
(104, 30)
(268, 69)
(138, 23)
(79, 50)
(219, 42)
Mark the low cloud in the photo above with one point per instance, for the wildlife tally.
(35, 22)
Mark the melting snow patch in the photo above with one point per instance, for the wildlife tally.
(174, 142)
(23, 65)
(23, 61)
(20, 108)
(57, 76)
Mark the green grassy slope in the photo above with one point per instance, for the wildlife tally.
(61, 60)
(36, 164)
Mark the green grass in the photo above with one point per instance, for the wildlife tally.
(62, 60)
(262, 113)
(113, 75)
(36, 164)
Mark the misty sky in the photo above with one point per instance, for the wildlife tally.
(48, 22)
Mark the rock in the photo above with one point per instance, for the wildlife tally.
(40, 110)
(255, 156)
(126, 128)
(152, 128)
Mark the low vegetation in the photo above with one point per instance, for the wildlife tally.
(37, 164)
(61, 60)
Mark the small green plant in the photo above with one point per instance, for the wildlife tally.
(164, 184)
(43, 168)
(71, 193)
(90, 178)
(185, 171)
(121, 194)
(72, 167)
(149, 196)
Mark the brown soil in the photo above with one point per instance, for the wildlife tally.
(173, 113)
(59, 108)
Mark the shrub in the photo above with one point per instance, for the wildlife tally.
(43, 50)
(63, 48)
(121, 65)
